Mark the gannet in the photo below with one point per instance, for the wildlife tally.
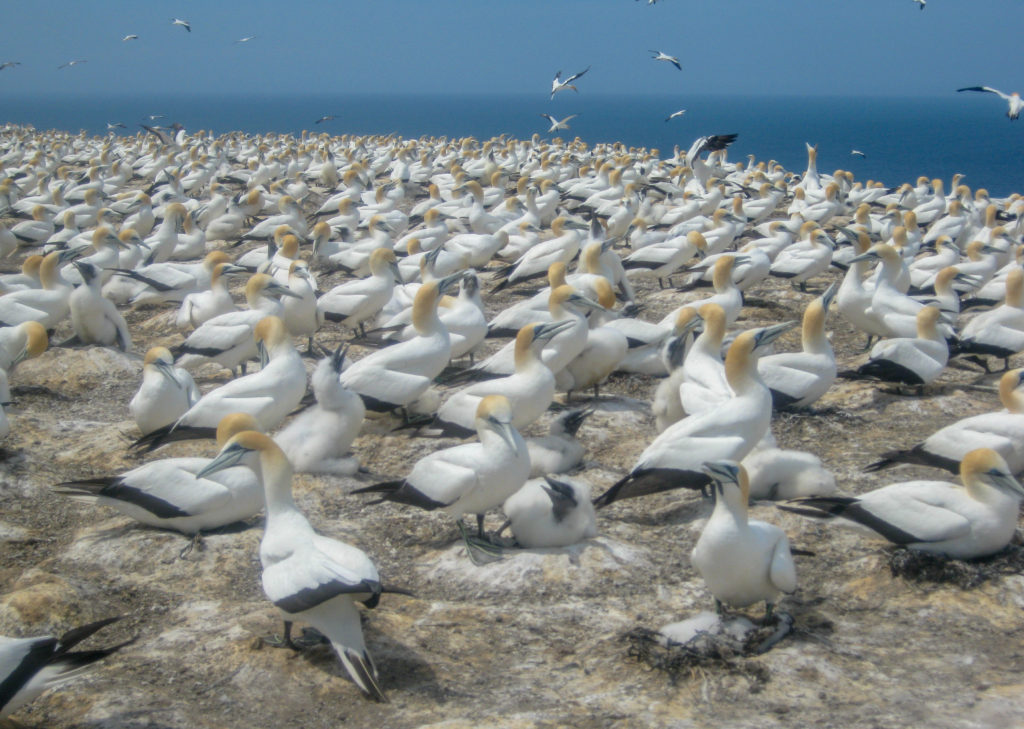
(471, 478)
(742, 561)
(530, 389)
(168, 281)
(36, 231)
(319, 438)
(1013, 100)
(659, 56)
(998, 332)
(703, 385)
(798, 379)
(559, 451)
(799, 264)
(228, 339)
(299, 312)
(604, 349)
(94, 318)
(673, 460)
(20, 342)
(75, 62)
(311, 578)
(558, 85)
(910, 361)
(1003, 431)
(662, 259)
(777, 474)
(130, 36)
(398, 375)
(169, 493)
(201, 306)
(29, 666)
(183, 23)
(675, 115)
(547, 513)
(354, 302)
(269, 395)
(165, 394)
(666, 404)
(557, 124)
(934, 516)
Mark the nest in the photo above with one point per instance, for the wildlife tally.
(708, 654)
(917, 566)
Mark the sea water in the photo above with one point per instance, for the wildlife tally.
(902, 138)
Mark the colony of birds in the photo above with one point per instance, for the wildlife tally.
(486, 324)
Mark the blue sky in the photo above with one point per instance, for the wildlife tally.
(813, 47)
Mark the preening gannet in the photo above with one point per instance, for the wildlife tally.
(311, 578)
(29, 666)
(934, 516)
(742, 561)
(165, 394)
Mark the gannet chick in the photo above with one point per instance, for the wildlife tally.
(1002, 431)
(741, 561)
(470, 478)
(311, 578)
(29, 666)
(547, 513)
(798, 379)
(558, 451)
(95, 319)
(935, 516)
(917, 361)
(169, 493)
(776, 474)
(165, 394)
(318, 439)
(674, 459)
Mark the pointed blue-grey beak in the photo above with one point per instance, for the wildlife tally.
(230, 456)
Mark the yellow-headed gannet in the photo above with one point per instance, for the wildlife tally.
(1013, 100)
(165, 394)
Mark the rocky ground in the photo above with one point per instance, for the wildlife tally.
(544, 638)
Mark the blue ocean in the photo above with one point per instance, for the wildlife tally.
(902, 138)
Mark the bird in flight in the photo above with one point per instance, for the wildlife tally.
(675, 115)
(183, 23)
(154, 117)
(558, 85)
(325, 117)
(921, 3)
(558, 124)
(246, 39)
(71, 63)
(9, 64)
(1014, 100)
(130, 36)
(659, 56)
(857, 153)
(111, 126)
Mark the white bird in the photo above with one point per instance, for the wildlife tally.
(548, 513)
(354, 302)
(1002, 431)
(29, 666)
(47, 305)
(319, 438)
(269, 395)
(94, 318)
(69, 64)
(246, 39)
(183, 23)
(471, 478)
(998, 332)
(935, 516)
(659, 56)
(674, 459)
(169, 494)
(921, 3)
(20, 342)
(1014, 100)
(559, 451)
(742, 561)
(675, 115)
(201, 306)
(558, 85)
(857, 152)
(798, 379)
(398, 375)
(130, 36)
(779, 474)
(910, 361)
(165, 394)
(557, 124)
(311, 578)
